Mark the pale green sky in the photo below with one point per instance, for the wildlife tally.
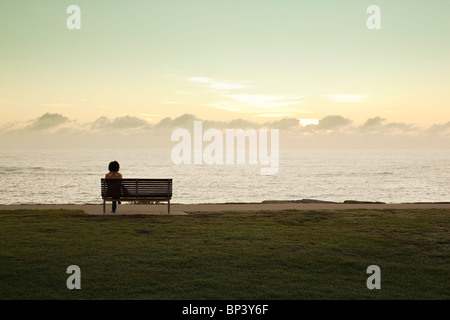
(226, 59)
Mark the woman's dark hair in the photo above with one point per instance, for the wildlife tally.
(114, 166)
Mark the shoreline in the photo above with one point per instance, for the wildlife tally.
(184, 209)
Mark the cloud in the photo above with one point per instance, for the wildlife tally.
(348, 97)
(10, 126)
(226, 86)
(378, 124)
(404, 127)
(151, 116)
(218, 85)
(372, 124)
(283, 124)
(240, 123)
(200, 79)
(185, 120)
(125, 122)
(332, 122)
(440, 128)
(266, 101)
(52, 129)
(47, 121)
(242, 101)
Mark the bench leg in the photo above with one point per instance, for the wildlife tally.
(168, 207)
(104, 206)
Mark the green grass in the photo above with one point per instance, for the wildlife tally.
(249, 255)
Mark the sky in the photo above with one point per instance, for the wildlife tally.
(312, 68)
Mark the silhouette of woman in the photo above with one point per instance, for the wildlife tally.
(114, 174)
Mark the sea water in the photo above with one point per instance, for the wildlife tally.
(73, 176)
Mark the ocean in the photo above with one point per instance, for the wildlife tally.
(55, 176)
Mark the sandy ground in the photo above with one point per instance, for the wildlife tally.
(185, 209)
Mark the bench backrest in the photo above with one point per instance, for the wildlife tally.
(139, 189)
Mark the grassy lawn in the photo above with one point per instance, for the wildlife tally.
(248, 255)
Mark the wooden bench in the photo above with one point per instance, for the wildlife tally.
(136, 190)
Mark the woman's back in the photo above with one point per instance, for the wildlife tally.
(113, 175)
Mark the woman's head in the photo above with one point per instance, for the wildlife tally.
(114, 166)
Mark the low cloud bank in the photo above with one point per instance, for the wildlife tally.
(56, 130)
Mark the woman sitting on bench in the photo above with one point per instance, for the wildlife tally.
(114, 174)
